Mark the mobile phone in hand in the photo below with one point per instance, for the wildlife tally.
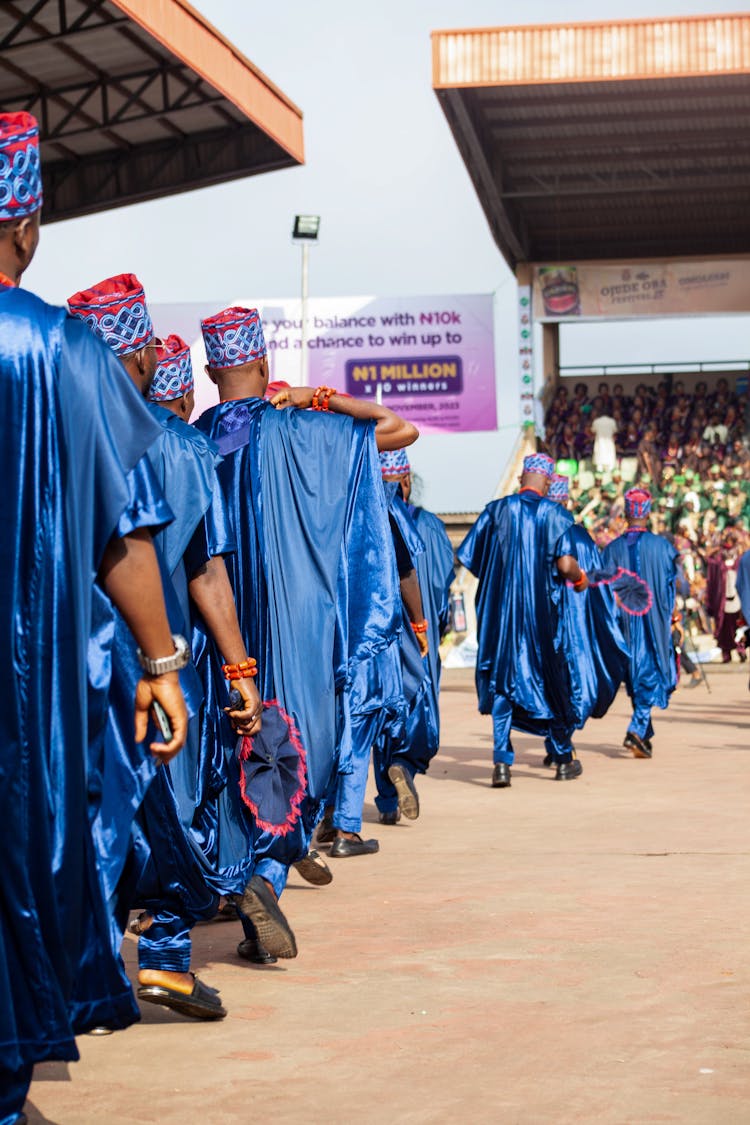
(162, 721)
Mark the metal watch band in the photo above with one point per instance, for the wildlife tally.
(172, 663)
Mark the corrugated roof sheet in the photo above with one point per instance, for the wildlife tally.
(585, 52)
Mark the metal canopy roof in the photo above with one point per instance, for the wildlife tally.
(138, 99)
(595, 141)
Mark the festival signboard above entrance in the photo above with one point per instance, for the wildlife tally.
(591, 291)
(433, 358)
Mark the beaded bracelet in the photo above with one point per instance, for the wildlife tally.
(419, 627)
(581, 583)
(245, 670)
(326, 392)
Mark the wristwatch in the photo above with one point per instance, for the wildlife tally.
(173, 663)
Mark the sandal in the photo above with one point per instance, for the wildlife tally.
(202, 1003)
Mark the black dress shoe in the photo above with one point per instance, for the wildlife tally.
(252, 951)
(390, 817)
(641, 747)
(342, 847)
(501, 775)
(261, 907)
(548, 760)
(403, 783)
(566, 771)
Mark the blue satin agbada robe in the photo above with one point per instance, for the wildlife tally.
(512, 549)
(73, 428)
(435, 571)
(652, 675)
(317, 608)
(593, 638)
(743, 584)
(415, 738)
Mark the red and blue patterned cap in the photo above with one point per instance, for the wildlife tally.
(116, 311)
(637, 503)
(20, 166)
(233, 337)
(559, 488)
(394, 463)
(539, 463)
(174, 371)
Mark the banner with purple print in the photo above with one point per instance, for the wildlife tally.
(433, 357)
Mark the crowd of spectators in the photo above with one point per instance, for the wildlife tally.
(688, 449)
(662, 427)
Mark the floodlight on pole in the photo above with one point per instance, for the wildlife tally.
(305, 232)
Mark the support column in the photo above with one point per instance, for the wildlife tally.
(550, 362)
(525, 347)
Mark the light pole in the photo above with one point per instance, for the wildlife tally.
(305, 232)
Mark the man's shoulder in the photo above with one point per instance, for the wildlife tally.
(177, 430)
(25, 305)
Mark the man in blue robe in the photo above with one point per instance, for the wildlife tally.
(173, 884)
(185, 462)
(392, 725)
(317, 608)
(74, 429)
(593, 638)
(520, 551)
(399, 760)
(652, 674)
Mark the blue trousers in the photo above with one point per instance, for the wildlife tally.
(557, 742)
(171, 886)
(348, 793)
(14, 1086)
(640, 723)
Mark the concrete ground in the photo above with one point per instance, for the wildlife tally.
(552, 953)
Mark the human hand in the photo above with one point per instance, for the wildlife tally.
(423, 642)
(293, 396)
(166, 691)
(248, 719)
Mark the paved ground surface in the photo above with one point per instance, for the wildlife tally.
(556, 952)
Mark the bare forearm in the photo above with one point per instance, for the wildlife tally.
(568, 568)
(212, 593)
(391, 431)
(130, 575)
(412, 597)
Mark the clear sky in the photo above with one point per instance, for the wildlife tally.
(399, 214)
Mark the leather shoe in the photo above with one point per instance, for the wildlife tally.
(260, 905)
(501, 775)
(548, 760)
(342, 846)
(403, 783)
(325, 833)
(257, 954)
(641, 747)
(314, 869)
(390, 817)
(566, 771)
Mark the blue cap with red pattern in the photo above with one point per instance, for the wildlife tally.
(174, 371)
(539, 463)
(559, 487)
(233, 337)
(394, 463)
(20, 166)
(637, 503)
(116, 311)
